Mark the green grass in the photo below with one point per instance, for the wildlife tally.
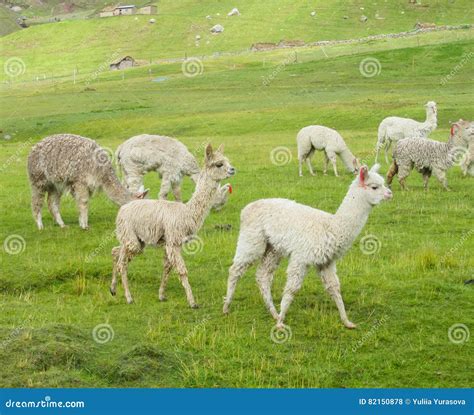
(87, 44)
(404, 298)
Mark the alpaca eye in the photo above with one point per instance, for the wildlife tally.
(219, 164)
(374, 187)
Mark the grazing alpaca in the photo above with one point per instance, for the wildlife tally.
(393, 129)
(318, 137)
(154, 222)
(274, 228)
(70, 162)
(168, 157)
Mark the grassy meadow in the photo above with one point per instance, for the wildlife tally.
(405, 296)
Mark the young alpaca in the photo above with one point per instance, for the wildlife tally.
(168, 157)
(70, 162)
(393, 129)
(426, 156)
(154, 222)
(317, 137)
(274, 228)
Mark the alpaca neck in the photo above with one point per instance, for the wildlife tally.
(348, 159)
(114, 189)
(201, 201)
(351, 217)
(431, 120)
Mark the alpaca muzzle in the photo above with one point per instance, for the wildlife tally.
(231, 171)
(387, 194)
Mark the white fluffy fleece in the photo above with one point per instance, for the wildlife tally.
(275, 228)
(320, 138)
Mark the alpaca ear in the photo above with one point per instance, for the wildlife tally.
(221, 149)
(141, 194)
(363, 174)
(209, 152)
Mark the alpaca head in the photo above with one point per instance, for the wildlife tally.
(371, 185)
(216, 165)
(431, 108)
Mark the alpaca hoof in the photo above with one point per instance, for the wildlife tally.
(162, 298)
(129, 300)
(226, 310)
(350, 325)
(195, 306)
(112, 291)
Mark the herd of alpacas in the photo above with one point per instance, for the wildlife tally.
(270, 229)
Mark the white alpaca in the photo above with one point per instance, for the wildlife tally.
(168, 157)
(318, 137)
(161, 222)
(393, 129)
(274, 228)
(464, 132)
(165, 155)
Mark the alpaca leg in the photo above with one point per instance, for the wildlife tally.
(250, 248)
(295, 276)
(167, 267)
(37, 199)
(174, 256)
(326, 161)
(54, 199)
(387, 147)
(115, 258)
(426, 178)
(441, 176)
(333, 287)
(300, 166)
(332, 156)
(265, 272)
(165, 188)
(176, 187)
(81, 194)
(310, 167)
(125, 256)
(403, 172)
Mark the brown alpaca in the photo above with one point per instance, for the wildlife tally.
(70, 162)
(161, 222)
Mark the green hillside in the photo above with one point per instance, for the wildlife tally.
(86, 44)
(7, 21)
